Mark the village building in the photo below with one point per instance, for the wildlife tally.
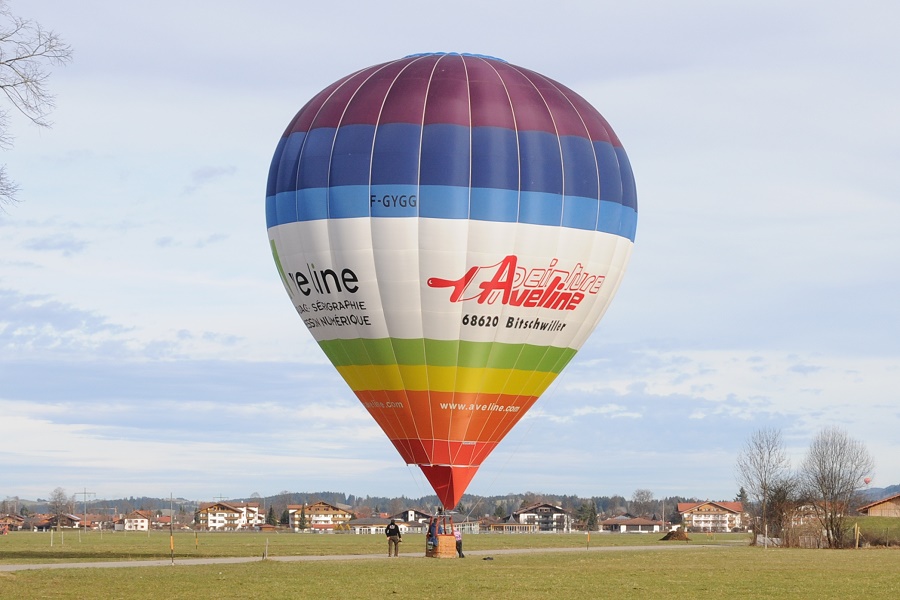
(320, 516)
(11, 522)
(629, 524)
(137, 520)
(377, 525)
(411, 515)
(540, 517)
(886, 507)
(43, 522)
(711, 517)
(229, 516)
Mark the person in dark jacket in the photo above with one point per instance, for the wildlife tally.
(392, 531)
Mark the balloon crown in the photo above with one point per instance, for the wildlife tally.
(472, 54)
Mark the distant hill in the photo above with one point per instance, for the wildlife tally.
(473, 505)
(878, 493)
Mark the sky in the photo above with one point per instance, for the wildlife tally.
(148, 348)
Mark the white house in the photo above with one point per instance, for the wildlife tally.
(138, 520)
(319, 516)
(711, 516)
(228, 516)
(629, 524)
(544, 517)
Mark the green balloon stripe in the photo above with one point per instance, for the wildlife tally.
(445, 353)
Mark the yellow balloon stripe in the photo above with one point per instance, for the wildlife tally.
(446, 379)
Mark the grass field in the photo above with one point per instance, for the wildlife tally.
(726, 568)
(879, 530)
(28, 547)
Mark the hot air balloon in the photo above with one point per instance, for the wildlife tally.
(450, 228)
(868, 480)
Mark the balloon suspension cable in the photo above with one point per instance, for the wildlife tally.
(422, 489)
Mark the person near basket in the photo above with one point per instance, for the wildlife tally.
(458, 535)
(392, 531)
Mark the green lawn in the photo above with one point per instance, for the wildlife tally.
(28, 547)
(716, 566)
(690, 571)
(879, 530)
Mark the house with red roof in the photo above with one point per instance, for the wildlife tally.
(713, 517)
(629, 524)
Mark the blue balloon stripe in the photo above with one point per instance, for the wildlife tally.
(610, 217)
(288, 163)
(444, 201)
(274, 168)
(610, 172)
(272, 212)
(351, 160)
(629, 190)
(495, 158)
(540, 162)
(348, 201)
(451, 202)
(540, 208)
(314, 162)
(445, 155)
(494, 205)
(580, 212)
(395, 159)
(490, 157)
(312, 204)
(394, 200)
(579, 167)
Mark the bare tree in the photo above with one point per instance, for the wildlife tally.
(10, 505)
(641, 502)
(61, 504)
(782, 506)
(834, 469)
(26, 52)
(762, 468)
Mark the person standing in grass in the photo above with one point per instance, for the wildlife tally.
(458, 535)
(392, 531)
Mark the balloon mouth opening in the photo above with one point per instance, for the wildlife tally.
(469, 54)
(449, 482)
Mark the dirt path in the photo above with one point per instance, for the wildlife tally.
(408, 555)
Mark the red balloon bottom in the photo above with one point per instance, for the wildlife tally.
(449, 482)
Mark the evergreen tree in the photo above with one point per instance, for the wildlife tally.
(591, 522)
(270, 516)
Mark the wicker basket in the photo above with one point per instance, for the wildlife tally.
(446, 547)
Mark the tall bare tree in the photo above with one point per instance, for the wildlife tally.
(762, 468)
(641, 502)
(833, 471)
(27, 50)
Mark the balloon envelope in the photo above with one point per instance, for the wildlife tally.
(450, 228)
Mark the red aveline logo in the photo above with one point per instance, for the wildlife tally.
(510, 284)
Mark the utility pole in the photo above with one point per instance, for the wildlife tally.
(172, 528)
(84, 496)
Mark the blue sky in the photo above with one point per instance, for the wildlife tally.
(147, 346)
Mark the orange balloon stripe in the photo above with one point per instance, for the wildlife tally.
(443, 452)
(445, 422)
